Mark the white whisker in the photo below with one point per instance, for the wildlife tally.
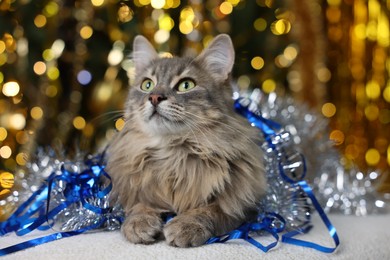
(116, 114)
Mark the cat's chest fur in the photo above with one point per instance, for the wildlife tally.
(174, 174)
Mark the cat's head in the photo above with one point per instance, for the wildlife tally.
(171, 95)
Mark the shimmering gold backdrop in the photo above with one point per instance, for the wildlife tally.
(64, 72)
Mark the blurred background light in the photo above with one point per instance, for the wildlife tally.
(11, 88)
(84, 77)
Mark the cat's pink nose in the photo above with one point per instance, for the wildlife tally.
(155, 99)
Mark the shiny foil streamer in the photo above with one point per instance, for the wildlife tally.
(75, 216)
(339, 190)
(284, 198)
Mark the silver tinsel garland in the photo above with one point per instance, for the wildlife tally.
(76, 216)
(339, 190)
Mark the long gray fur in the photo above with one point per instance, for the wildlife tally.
(188, 153)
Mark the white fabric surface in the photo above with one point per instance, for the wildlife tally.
(361, 238)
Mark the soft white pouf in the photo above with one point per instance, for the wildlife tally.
(361, 238)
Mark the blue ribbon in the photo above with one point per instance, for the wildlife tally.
(243, 232)
(289, 237)
(48, 238)
(269, 129)
(267, 126)
(79, 188)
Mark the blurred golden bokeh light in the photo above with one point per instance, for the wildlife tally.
(11, 88)
(97, 2)
(268, 85)
(40, 21)
(328, 109)
(5, 152)
(226, 8)
(3, 133)
(79, 122)
(6, 180)
(86, 32)
(372, 157)
(39, 68)
(257, 63)
(36, 113)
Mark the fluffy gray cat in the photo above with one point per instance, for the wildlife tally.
(183, 149)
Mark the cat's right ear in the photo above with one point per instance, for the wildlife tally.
(143, 53)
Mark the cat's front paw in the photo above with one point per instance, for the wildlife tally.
(186, 231)
(142, 229)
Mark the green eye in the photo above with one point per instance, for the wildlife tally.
(147, 85)
(186, 85)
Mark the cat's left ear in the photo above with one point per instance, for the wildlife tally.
(218, 57)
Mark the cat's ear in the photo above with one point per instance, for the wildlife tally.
(143, 53)
(218, 57)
